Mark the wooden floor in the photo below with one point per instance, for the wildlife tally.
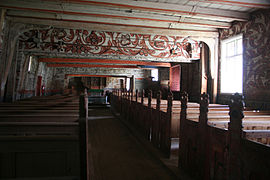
(115, 152)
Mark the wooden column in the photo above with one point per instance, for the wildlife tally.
(235, 134)
(11, 80)
(23, 71)
(10, 49)
(36, 78)
(2, 20)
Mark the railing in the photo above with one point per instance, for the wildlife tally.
(206, 151)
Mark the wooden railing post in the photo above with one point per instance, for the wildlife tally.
(131, 95)
(182, 137)
(156, 122)
(121, 102)
(204, 139)
(142, 114)
(168, 125)
(124, 93)
(149, 98)
(235, 134)
(158, 100)
(136, 95)
(128, 95)
(142, 96)
(184, 100)
(149, 118)
(83, 125)
(204, 103)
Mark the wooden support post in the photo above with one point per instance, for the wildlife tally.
(183, 117)
(10, 54)
(235, 134)
(22, 76)
(2, 20)
(83, 123)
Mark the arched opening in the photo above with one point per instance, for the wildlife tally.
(206, 77)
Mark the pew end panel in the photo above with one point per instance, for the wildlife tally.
(36, 157)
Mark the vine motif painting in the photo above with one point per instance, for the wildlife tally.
(256, 42)
(77, 41)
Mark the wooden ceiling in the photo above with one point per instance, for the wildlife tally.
(146, 16)
(199, 15)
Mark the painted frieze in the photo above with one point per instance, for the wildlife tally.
(86, 42)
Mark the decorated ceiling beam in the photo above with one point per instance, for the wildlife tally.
(91, 66)
(84, 42)
(105, 61)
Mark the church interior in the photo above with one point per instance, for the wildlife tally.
(137, 89)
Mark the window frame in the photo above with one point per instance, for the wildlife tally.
(226, 57)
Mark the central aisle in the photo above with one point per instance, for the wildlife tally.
(115, 152)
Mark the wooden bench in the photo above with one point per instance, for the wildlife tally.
(222, 152)
(216, 112)
(48, 130)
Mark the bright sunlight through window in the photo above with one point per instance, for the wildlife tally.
(30, 63)
(232, 65)
(154, 74)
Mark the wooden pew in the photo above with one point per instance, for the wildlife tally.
(45, 130)
(212, 152)
(216, 113)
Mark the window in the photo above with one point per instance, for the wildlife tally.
(30, 63)
(154, 74)
(128, 84)
(232, 65)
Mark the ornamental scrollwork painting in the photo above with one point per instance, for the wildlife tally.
(256, 54)
(84, 42)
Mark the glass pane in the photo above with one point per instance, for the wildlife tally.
(239, 46)
(154, 74)
(232, 75)
(230, 48)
